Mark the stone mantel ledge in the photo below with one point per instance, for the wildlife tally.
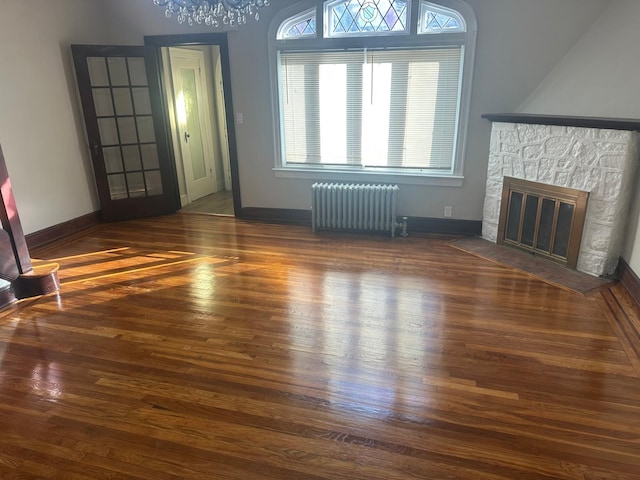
(628, 124)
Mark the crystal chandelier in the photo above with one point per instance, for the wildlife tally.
(213, 13)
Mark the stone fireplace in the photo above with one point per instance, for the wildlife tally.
(597, 156)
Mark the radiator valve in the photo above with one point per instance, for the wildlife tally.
(403, 227)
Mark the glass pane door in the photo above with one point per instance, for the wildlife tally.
(120, 92)
(119, 89)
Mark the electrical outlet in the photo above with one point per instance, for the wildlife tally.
(447, 212)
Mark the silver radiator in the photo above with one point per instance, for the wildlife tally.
(354, 207)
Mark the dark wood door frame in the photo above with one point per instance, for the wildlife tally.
(220, 40)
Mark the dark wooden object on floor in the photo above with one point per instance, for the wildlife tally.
(200, 347)
(16, 269)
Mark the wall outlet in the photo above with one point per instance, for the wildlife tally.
(447, 212)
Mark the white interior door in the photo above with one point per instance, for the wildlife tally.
(193, 122)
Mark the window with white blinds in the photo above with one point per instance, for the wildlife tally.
(371, 89)
(367, 108)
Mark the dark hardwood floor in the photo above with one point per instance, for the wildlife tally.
(199, 347)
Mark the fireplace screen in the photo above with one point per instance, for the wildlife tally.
(542, 219)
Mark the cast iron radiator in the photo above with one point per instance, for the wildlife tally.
(347, 206)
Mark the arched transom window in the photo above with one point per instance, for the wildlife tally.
(373, 86)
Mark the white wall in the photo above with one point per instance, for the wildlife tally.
(41, 129)
(519, 41)
(599, 77)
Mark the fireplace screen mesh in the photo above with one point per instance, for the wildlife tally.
(543, 219)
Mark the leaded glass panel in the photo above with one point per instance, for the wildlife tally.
(438, 19)
(366, 17)
(300, 26)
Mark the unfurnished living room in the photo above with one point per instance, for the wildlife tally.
(319, 239)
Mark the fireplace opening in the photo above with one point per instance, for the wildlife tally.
(545, 220)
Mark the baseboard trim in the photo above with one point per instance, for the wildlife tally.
(276, 215)
(444, 225)
(629, 280)
(61, 230)
(416, 224)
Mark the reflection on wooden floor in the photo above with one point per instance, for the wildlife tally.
(219, 203)
(193, 347)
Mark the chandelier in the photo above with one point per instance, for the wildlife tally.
(213, 13)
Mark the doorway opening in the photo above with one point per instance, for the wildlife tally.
(198, 118)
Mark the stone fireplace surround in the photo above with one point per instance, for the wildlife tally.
(590, 154)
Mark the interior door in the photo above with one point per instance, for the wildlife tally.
(193, 121)
(120, 95)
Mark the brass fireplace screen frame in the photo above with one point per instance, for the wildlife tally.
(520, 198)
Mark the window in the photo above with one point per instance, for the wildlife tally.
(363, 17)
(301, 25)
(363, 87)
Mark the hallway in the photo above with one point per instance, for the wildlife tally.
(219, 203)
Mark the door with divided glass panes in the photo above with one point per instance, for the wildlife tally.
(120, 94)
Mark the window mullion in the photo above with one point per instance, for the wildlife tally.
(320, 20)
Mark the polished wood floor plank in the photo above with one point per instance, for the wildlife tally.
(197, 347)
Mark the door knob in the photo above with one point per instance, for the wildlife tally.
(186, 137)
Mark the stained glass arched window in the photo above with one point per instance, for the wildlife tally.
(438, 19)
(373, 86)
(365, 17)
(298, 26)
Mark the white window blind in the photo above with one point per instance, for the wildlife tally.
(377, 109)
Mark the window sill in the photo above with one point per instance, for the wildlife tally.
(377, 177)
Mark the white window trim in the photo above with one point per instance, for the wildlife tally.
(454, 179)
(352, 175)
